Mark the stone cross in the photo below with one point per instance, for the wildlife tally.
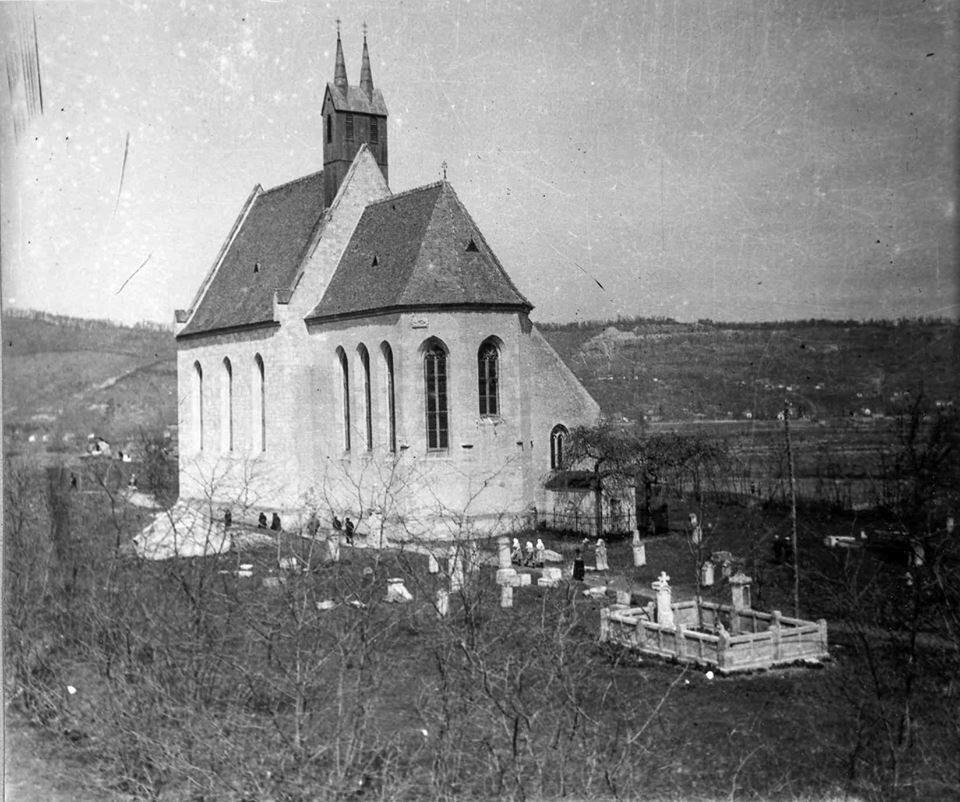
(664, 611)
(503, 552)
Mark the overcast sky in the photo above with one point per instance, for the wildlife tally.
(732, 160)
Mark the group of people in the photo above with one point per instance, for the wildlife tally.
(275, 524)
(346, 526)
(529, 555)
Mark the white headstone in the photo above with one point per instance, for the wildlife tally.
(639, 555)
(664, 611)
(455, 569)
(506, 596)
(443, 603)
(333, 548)
(506, 576)
(706, 574)
(397, 591)
(433, 567)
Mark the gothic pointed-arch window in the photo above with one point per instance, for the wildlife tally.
(329, 128)
(197, 405)
(226, 406)
(387, 353)
(558, 437)
(488, 376)
(367, 412)
(259, 418)
(435, 396)
(344, 396)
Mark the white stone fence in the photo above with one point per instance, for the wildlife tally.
(755, 640)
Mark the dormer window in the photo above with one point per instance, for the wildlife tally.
(472, 247)
(349, 123)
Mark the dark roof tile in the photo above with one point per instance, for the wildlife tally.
(412, 249)
(262, 257)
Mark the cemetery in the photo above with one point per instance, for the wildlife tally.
(727, 637)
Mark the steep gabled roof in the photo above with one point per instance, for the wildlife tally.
(355, 100)
(262, 256)
(418, 248)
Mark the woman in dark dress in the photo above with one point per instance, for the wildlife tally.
(578, 567)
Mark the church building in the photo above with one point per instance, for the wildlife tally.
(364, 353)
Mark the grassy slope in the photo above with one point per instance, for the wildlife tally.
(87, 375)
(674, 372)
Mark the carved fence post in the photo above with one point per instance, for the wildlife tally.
(775, 631)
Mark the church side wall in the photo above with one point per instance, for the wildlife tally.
(481, 476)
(246, 475)
(556, 397)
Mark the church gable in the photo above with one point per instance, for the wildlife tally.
(363, 184)
(419, 248)
(262, 257)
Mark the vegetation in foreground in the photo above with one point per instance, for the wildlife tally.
(181, 679)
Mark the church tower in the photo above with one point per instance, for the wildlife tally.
(352, 115)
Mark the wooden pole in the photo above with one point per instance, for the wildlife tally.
(793, 513)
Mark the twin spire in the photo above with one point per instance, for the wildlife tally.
(340, 70)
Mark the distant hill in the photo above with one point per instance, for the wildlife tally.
(664, 370)
(65, 377)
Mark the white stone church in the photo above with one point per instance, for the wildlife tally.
(364, 353)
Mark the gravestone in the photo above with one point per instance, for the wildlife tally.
(664, 611)
(333, 548)
(740, 590)
(506, 576)
(455, 570)
(443, 603)
(503, 552)
(706, 574)
(433, 567)
(639, 551)
(397, 591)
(506, 596)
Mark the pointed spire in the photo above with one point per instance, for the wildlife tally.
(366, 77)
(340, 71)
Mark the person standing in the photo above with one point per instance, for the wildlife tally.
(579, 569)
(602, 564)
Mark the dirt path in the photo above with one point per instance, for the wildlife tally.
(34, 772)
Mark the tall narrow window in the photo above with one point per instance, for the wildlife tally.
(259, 438)
(374, 131)
(329, 128)
(367, 412)
(197, 405)
(387, 354)
(488, 373)
(435, 377)
(344, 396)
(348, 119)
(226, 412)
(557, 436)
